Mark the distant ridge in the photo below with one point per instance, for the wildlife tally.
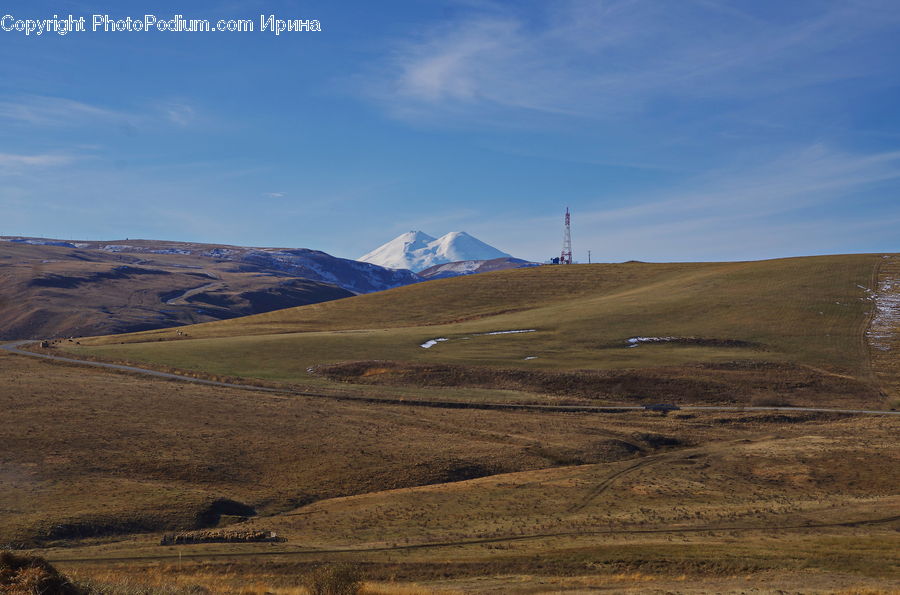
(299, 262)
(471, 267)
(58, 288)
(417, 251)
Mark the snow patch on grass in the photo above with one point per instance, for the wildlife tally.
(432, 342)
(887, 314)
(524, 330)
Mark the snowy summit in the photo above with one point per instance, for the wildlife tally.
(418, 251)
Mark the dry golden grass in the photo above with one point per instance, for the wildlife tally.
(804, 314)
(724, 296)
(186, 580)
(86, 451)
(243, 580)
(139, 450)
(479, 501)
(48, 291)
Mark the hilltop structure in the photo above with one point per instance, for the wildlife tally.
(566, 256)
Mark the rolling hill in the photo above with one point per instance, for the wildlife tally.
(99, 466)
(789, 330)
(54, 288)
(475, 499)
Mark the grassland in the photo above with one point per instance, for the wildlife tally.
(803, 317)
(88, 452)
(97, 466)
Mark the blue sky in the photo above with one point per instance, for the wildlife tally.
(688, 130)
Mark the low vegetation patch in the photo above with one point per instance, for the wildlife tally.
(212, 514)
(220, 536)
(770, 400)
(698, 341)
(27, 575)
(339, 579)
(757, 383)
(659, 440)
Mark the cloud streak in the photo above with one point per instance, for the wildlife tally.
(10, 162)
(600, 59)
(61, 112)
(764, 100)
(788, 202)
(811, 176)
(55, 111)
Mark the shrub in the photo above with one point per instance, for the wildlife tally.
(24, 575)
(769, 400)
(339, 579)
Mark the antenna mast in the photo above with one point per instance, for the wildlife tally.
(566, 257)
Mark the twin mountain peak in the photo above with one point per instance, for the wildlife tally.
(417, 251)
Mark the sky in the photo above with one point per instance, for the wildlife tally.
(689, 130)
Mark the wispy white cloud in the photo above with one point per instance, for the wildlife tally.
(449, 68)
(179, 113)
(274, 194)
(600, 59)
(55, 111)
(721, 211)
(42, 111)
(752, 97)
(813, 175)
(12, 162)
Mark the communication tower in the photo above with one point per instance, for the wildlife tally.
(566, 257)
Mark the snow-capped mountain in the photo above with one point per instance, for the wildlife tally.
(417, 251)
(397, 254)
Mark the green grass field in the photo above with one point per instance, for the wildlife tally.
(808, 312)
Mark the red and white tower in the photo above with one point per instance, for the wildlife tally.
(566, 257)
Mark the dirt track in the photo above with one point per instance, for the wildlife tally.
(463, 542)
